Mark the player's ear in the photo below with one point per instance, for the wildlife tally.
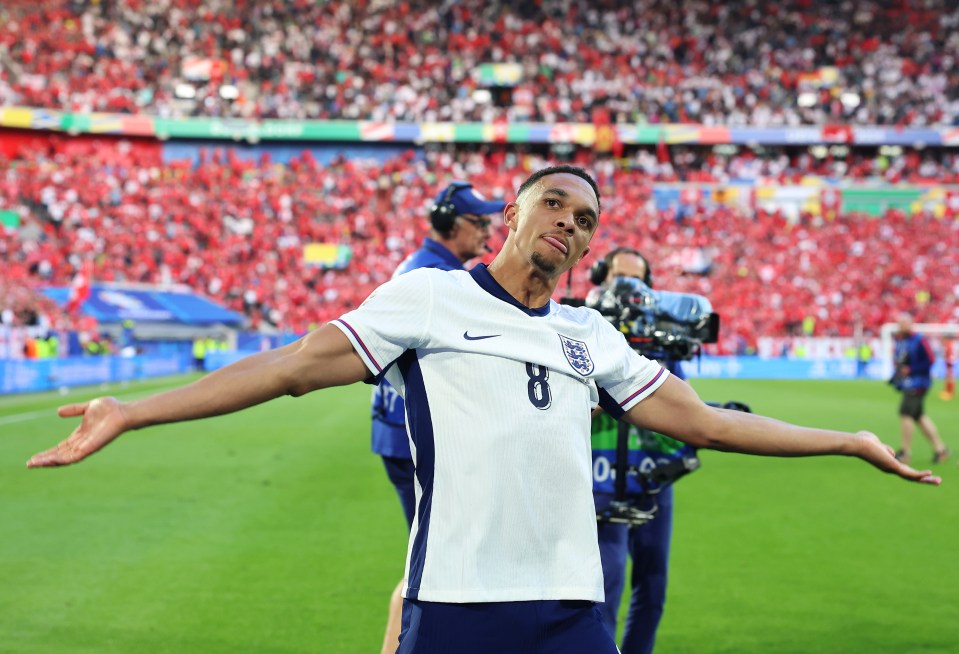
(510, 215)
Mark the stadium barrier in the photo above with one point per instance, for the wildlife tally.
(752, 367)
(740, 367)
(27, 375)
(216, 360)
(602, 137)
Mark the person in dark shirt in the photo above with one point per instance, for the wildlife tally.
(914, 359)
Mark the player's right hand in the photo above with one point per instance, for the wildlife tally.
(103, 421)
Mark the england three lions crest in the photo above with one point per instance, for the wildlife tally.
(577, 354)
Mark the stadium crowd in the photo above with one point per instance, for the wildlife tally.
(784, 166)
(889, 62)
(22, 306)
(235, 230)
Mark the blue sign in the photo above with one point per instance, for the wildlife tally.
(32, 375)
(117, 304)
(751, 367)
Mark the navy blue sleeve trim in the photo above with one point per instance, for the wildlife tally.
(674, 368)
(609, 405)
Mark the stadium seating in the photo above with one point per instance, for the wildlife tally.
(785, 63)
(235, 230)
(22, 306)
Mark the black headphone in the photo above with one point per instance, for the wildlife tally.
(600, 270)
(443, 213)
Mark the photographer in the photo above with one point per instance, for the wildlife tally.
(914, 359)
(646, 544)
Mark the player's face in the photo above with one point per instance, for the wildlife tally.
(472, 232)
(627, 264)
(554, 221)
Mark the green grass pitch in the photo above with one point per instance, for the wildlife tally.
(276, 531)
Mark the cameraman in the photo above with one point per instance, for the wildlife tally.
(646, 544)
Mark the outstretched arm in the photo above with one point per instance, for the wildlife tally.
(675, 409)
(320, 359)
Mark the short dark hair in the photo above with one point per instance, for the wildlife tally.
(647, 278)
(553, 170)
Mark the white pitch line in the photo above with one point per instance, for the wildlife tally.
(52, 412)
(30, 415)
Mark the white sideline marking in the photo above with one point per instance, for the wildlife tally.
(52, 412)
(30, 415)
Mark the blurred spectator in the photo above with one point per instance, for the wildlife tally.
(235, 230)
(23, 306)
(794, 62)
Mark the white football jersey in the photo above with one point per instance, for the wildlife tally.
(498, 401)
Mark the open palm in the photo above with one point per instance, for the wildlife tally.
(883, 457)
(103, 421)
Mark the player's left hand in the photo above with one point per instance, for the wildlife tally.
(103, 421)
(882, 456)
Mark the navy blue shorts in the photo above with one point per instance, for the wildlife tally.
(542, 627)
(401, 473)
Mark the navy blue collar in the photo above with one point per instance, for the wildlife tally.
(482, 277)
(443, 252)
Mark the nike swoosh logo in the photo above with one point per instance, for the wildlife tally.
(467, 336)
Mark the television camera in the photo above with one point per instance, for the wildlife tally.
(669, 327)
(657, 324)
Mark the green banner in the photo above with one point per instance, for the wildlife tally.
(252, 131)
(588, 134)
(647, 134)
(875, 202)
(333, 130)
(9, 219)
(497, 74)
(470, 132)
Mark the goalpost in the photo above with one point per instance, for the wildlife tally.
(944, 338)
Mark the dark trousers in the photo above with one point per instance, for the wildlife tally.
(648, 546)
(401, 472)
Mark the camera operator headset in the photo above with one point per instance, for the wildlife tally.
(647, 544)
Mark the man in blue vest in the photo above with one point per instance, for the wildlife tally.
(914, 359)
(460, 225)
